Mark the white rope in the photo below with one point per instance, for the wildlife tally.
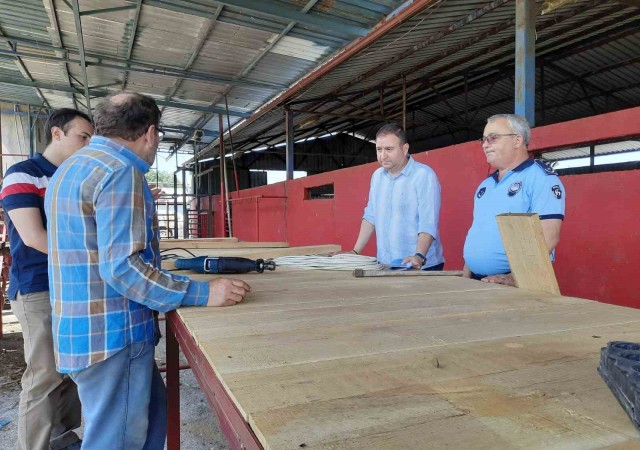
(342, 261)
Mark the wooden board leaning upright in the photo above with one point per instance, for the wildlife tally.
(527, 252)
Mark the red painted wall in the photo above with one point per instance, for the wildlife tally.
(599, 253)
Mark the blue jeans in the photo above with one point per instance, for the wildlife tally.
(124, 401)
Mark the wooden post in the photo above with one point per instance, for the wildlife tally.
(527, 252)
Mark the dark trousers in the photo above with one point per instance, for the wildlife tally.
(436, 267)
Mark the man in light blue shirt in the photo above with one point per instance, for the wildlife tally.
(403, 207)
(519, 185)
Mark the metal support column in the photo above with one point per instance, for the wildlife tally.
(290, 139)
(30, 131)
(525, 59)
(222, 206)
(185, 212)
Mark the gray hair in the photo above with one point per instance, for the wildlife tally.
(518, 124)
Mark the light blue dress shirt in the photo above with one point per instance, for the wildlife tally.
(403, 206)
(532, 187)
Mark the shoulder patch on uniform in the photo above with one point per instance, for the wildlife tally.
(544, 166)
(481, 192)
(557, 191)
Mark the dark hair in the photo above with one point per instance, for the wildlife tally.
(393, 128)
(62, 119)
(126, 115)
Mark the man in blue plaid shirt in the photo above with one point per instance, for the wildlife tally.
(105, 278)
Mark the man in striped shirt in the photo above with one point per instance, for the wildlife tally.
(49, 407)
(105, 278)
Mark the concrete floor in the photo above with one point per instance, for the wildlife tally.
(199, 429)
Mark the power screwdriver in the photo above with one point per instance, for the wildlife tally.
(209, 264)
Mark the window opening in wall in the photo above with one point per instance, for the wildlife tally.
(601, 157)
(319, 192)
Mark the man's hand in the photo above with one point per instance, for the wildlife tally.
(507, 280)
(156, 192)
(227, 291)
(416, 261)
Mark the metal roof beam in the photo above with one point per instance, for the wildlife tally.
(132, 39)
(419, 46)
(152, 69)
(83, 63)
(282, 34)
(271, 9)
(310, 4)
(457, 48)
(100, 94)
(93, 12)
(24, 71)
(196, 51)
(503, 43)
(57, 40)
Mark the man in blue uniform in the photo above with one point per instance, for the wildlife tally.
(519, 185)
(404, 206)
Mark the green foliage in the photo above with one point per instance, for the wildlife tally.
(161, 178)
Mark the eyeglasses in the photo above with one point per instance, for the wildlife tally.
(161, 133)
(493, 137)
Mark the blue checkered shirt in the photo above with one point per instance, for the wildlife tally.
(104, 262)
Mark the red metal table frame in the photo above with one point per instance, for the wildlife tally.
(237, 431)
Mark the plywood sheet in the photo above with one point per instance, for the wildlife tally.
(325, 360)
(527, 252)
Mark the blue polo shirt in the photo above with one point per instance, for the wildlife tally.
(24, 186)
(403, 206)
(532, 187)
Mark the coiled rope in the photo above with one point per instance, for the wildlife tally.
(341, 261)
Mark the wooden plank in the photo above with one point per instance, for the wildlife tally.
(255, 252)
(359, 273)
(527, 252)
(214, 243)
(509, 393)
(325, 360)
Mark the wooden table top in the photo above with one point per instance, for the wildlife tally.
(320, 359)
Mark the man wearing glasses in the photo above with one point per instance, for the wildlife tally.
(519, 185)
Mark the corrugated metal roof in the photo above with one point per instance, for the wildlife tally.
(590, 50)
(585, 46)
(218, 49)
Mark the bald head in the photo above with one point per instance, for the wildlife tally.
(126, 116)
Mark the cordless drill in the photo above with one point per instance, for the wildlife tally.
(209, 264)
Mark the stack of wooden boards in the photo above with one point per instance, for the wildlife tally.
(234, 247)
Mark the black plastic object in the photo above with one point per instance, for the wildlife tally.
(207, 264)
(620, 369)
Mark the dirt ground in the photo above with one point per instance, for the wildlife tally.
(199, 428)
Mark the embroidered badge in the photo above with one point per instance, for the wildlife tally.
(515, 188)
(547, 168)
(557, 191)
(481, 192)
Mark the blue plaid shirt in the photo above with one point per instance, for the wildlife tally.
(104, 261)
